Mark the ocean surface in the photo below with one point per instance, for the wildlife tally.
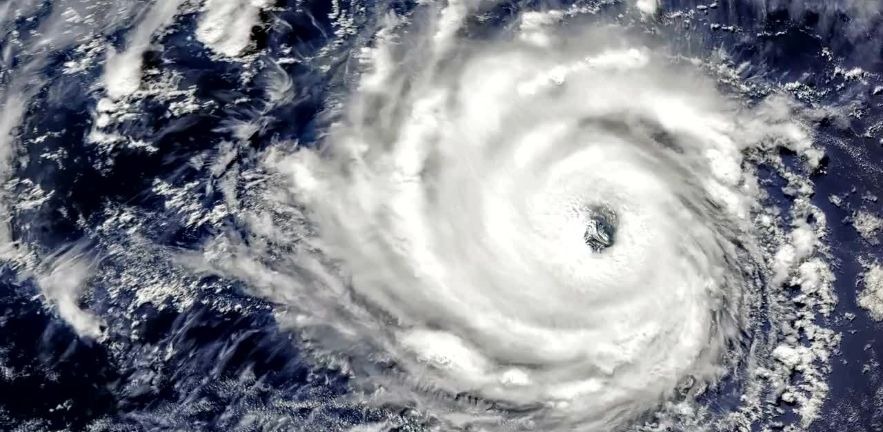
(294, 215)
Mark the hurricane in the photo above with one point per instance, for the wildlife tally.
(458, 215)
(555, 229)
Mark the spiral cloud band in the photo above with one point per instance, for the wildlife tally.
(555, 230)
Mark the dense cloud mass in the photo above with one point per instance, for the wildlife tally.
(452, 210)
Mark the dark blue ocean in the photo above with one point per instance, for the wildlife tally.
(192, 352)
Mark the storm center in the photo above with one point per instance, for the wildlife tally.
(600, 231)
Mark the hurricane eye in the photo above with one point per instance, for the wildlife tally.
(601, 226)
